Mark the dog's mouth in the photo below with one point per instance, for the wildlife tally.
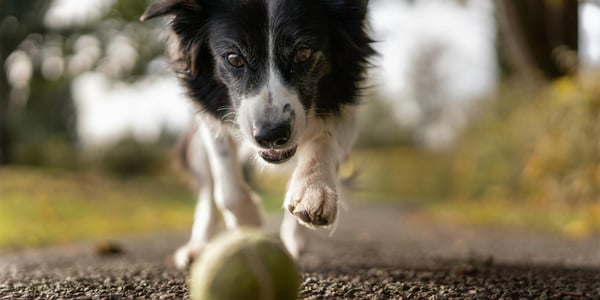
(277, 156)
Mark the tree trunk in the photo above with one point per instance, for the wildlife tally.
(5, 139)
(540, 35)
(17, 20)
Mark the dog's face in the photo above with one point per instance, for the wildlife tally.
(270, 66)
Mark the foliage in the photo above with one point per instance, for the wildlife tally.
(51, 153)
(378, 126)
(40, 106)
(543, 148)
(130, 158)
(530, 159)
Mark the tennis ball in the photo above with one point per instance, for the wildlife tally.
(244, 264)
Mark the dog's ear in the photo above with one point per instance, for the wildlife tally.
(165, 7)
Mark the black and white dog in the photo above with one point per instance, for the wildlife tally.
(275, 79)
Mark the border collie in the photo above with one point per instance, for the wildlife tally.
(273, 80)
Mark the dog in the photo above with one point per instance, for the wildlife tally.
(276, 82)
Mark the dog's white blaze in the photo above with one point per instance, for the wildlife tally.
(282, 96)
(247, 111)
(268, 107)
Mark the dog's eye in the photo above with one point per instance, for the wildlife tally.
(302, 55)
(235, 60)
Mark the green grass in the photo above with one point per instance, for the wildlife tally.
(40, 207)
(393, 173)
(573, 222)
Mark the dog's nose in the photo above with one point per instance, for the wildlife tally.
(272, 135)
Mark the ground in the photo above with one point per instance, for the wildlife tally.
(376, 252)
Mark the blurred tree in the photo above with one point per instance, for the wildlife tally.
(540, 37)
(38, 63)
(17, 20)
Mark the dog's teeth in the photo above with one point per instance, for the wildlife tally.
(277, 156)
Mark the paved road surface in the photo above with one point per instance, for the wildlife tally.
(382, 252)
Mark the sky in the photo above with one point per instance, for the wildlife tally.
(459, 41)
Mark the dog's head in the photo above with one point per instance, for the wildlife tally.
(269, 66)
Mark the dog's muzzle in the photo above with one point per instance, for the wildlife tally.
(274, 139)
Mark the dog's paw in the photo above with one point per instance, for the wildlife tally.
(314, 203)
(187, 254)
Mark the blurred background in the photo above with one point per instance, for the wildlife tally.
(481, 112)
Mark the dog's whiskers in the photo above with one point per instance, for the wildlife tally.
(230, 115)
(256, 161)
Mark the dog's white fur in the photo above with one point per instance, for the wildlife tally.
(267, 107)
(214, 155)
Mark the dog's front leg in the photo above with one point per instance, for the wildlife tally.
(312, 193)
(311, 198)
(216, 168)
(206, 215)
(233, 197)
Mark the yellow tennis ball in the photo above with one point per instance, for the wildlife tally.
(244, 264)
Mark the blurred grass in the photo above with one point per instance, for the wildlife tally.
(573, 222)
(40, 206)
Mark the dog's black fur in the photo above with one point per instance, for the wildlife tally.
(209, 30)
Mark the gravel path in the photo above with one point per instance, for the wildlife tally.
(377, 252)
